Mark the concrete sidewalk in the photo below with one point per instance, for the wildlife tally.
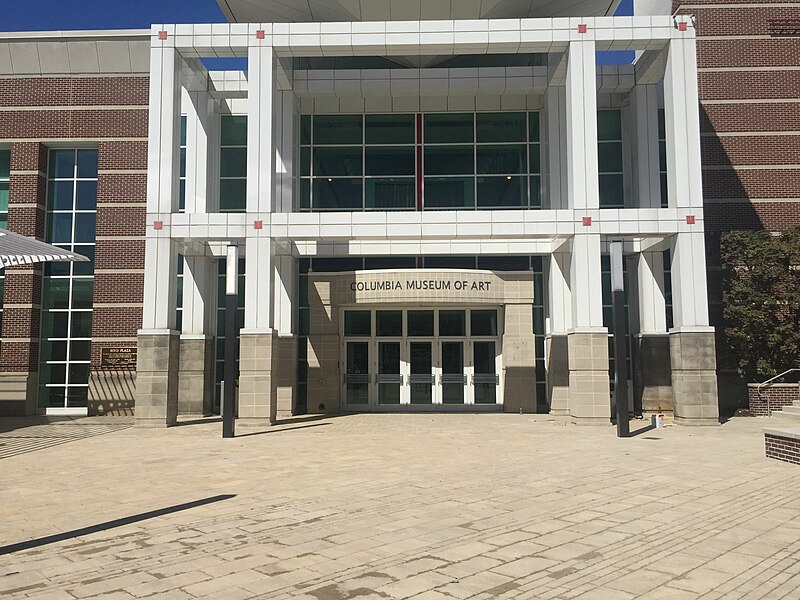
(398, 506)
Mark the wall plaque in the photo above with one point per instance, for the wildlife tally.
(118, 357)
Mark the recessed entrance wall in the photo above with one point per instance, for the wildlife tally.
(421, 340)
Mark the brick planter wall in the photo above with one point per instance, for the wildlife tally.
(779, 395)
(782, 448)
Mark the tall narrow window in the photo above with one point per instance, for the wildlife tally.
(5, 170)
(662, 157)
(182, 189)
(219, 373)
(233, 164)
(66, 332)
(609, 155)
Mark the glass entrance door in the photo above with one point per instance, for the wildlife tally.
(357, 373)
(421, 377)
(453, 378)
(485, 380)
(389, 378)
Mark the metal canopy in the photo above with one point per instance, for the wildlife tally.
(294, 11)
(16, 249)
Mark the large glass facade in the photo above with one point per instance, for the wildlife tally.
(609, 158)
(430, 161)
(233, 163)
(5, 173)
(66, 331)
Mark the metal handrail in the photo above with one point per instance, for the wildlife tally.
(769, 382)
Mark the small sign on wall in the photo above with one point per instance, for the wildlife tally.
(118, 357)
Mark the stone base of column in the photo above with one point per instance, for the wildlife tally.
(324, 380)
(557, 373)
(519, 360)
(156, 378)
(285, 376)
(112, 392)
(589, 391)
(195, 376)
(257, 405)
(18, 393)
(652, 381)
(694, 376)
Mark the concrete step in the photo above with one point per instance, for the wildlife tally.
(791, 410)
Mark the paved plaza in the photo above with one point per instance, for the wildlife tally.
(396, 506)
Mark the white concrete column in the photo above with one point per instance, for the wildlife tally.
(689, 288)
(647, 172)
(285, 280)
(581, 120)
(650, 288)
(160, 283)
(200, 122)
(586, 282)
(258, 285)
(285, 109)
(559, 300)
(199, 297)
(682, 121)
(261, 107)
(554, 130)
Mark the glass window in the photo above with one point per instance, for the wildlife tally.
(389, 323)
(357, 323)
(232, 195)
(233, 130)
(391, 194)
(483, 322)
(233, 163)
(502, 192)
(449, 128)
(420, 323)
(449, 192)
(449, 160)
(87, 164)
(500, 127)
(337, 194)
(337, 129)
(305, 129)
(338, 161)
(609, 125)
(502, 160)
(391, 160)
(389, 129)
(449, 262)
(609, 152)
(452, 323)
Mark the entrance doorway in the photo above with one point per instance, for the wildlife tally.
(421, 358)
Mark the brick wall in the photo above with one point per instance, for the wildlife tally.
(782, 448)
(778, 396)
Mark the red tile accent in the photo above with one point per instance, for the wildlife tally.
(260, 34)
(587, 221)
(162, 35)
(158, 225)
(681, 26)
(690, 219)
(582, 28)
(258, 224)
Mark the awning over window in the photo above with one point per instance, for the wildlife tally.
(16, 249)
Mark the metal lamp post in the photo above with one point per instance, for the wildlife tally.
(231, 294)
(620, 353)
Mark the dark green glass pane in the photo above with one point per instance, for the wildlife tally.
(485, 363)
(77, 397)
(62, 164)
(504, 263)
(82, 293)
(305, 129)
(53, 373)
(533, 127)
(389, 129)
(59, 228)
(303, 291)
(536, 191)
(534, 151)
(389, 323)
(452, 323)
(609, 157)
(662, 128)
(304, 321)
(84, 268)
(81, 324)
(86, 195)
(449, 128)
(183, 130)
(79, 373)
(60, 195)
(449, 192)
(357, 323)
(54, 324)
(336, 265)
(53, 350)
(305, 161)
(80, 350)
(5, 164)
(611, 191)
(483, 322)
(87, 164)
(502, 192)
(337, 194)
(3, 220)
(232, 195)
(420, 323)
(3, 196)
(85, 227)
(664, 198)
(338, 161)
(538, 319)
(58, 268)
(233, 162)
(390, 262)
(449, 262)
(662, 156)
(305, 194)
(182, 195)
(55, 293)
(390, 161)
(500, 127)
(182, 163)
(51, 397)
(337, 129)
(449, 160)
(609, 125)
(233, 130)
(397, 193)
(502, 160)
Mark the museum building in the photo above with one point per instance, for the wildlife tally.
(422, 196)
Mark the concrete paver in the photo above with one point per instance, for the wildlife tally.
(397, 506)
